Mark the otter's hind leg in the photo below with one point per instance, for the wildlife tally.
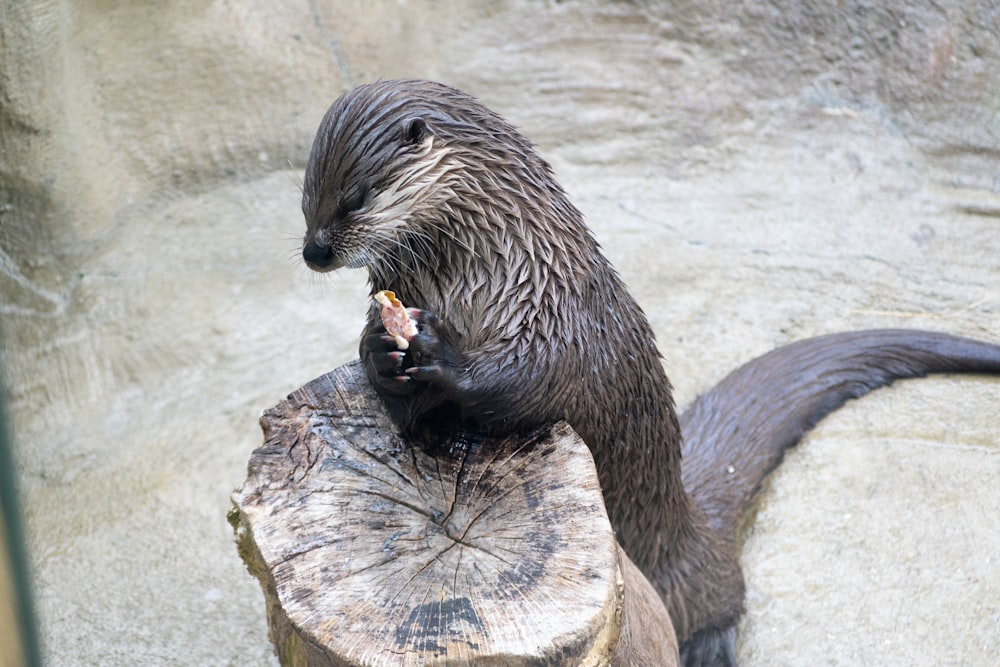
(710, 647)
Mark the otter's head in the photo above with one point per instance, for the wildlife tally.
(398, 168)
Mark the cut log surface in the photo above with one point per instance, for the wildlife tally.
(372, 551)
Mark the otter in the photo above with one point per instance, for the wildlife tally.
(522, 321)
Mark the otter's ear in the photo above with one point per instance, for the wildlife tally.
(415, 130)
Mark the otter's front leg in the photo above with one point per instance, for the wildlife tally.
(419, 379)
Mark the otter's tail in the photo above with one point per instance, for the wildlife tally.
(738, 432)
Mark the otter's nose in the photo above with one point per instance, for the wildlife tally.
(318, 257)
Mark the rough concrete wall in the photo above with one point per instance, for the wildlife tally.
(108, 103)
(928, 66)
(759, 173)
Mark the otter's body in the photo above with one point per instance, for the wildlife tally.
(524, 322)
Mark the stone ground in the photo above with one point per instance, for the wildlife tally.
(758, 175)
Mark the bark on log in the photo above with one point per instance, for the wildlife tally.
(486, 551)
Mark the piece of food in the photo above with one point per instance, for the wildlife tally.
(395, 318)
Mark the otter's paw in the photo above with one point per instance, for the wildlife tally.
(710, 647)
(384, 362)
(430, 359)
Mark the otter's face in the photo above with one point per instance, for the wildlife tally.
(410, 176)
(376, 175)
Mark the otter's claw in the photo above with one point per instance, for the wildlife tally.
(435, 374)
(385, 363)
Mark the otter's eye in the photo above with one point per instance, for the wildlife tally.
(354, 201)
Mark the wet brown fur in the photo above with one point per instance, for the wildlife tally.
(450, 207)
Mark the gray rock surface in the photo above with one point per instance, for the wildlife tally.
(759, 174)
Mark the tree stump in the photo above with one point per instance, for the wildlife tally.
(486, 551)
